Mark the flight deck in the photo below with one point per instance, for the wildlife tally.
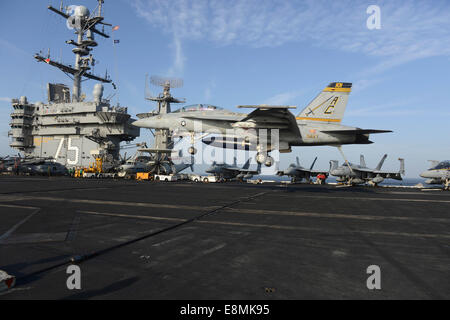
(185, 240)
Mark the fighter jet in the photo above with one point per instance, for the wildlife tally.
(353, 174)
(439, 173)
(228, 172)
(298, 173)
(7, 163)
(135, 164)
(267, 128)
(32, 166)
(143, 163)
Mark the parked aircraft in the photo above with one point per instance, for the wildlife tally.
(439, 173)
(298, 173)
(31, 165)
(144, 163)
(228, 172)
(358, 174)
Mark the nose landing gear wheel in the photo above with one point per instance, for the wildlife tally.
(192, 150)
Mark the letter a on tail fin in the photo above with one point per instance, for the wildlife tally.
(329, 105)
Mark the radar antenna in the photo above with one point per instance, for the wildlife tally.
(164, 99)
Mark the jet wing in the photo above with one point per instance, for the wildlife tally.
(357, 130)
(312, 172)
(155, 150)
(215, 117)
(248, 171)
(270, 117)
(363, 170)
(386, 174)
(319, 172)
(231, 169)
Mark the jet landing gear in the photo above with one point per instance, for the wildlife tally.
(191, 149)
(264, 158)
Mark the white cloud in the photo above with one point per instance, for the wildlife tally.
(209, 90)
(12, 48)
(5, 99)
(391, 108)
(179, 59)
(363, 84)
(410, 30)
(283, 98)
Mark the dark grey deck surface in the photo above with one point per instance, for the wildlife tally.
(259, 242)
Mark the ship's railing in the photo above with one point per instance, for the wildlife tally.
(119, 109)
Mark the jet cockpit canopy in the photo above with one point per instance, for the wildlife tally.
(198, 107)
(442, 165)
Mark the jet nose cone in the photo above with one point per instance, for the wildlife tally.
(138, 123)
(155, 122)
(425, 174)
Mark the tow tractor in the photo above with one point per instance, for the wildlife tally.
(95, 170)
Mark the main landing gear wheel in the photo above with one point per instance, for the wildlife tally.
(192, 150)
(269, 162)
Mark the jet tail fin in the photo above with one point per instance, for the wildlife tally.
(402, 166)
(312, 165)
(334, 164)
(258, 168)
(329, 105)
(380, 164)
(362, 161)
(247, 164)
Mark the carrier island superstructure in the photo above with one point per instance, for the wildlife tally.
(69, 129)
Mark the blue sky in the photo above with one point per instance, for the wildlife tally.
(251, 52)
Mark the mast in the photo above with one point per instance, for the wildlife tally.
(84, 25)
(165, 99)
(163, 139)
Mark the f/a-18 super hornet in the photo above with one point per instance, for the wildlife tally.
(267, 128)
(439, 173)
(229, 172)
(141, 162)
(298, 173)
(352, 174)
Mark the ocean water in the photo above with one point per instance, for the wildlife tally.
(388, 182)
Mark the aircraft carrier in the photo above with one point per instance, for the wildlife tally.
(186, 240)
(68, 129)
(182, 240)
